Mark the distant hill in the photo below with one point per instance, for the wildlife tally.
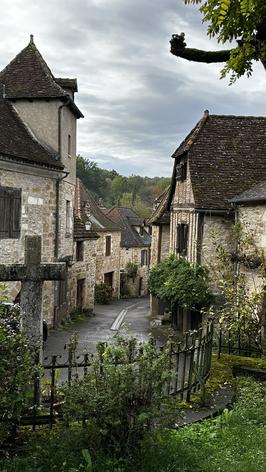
(111, 188)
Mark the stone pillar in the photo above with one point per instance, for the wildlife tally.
(31, 311)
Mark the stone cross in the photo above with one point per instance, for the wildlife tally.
(32, 274)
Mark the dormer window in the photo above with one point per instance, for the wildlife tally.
(69, 146)
(181, 172)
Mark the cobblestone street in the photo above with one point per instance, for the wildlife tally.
(123, 316)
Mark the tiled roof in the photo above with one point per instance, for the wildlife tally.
(100, 222)
(254, 194)
(160, 213)
(80, 231)
(28, 76)
(67, 83)
(227, 155)
(127, 219)
(18, 142)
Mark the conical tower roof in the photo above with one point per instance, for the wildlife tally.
(28, 76)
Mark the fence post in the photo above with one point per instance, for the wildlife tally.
(36, 387)
(52, 390)
(192, 352)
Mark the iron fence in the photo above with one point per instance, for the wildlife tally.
(239, 343)
(189, 363)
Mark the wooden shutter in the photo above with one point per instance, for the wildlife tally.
(5, 211)
(178, 239)
(185, 238)
(16, 214)
(10, 212)
(108, 245)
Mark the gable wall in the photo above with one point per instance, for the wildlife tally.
(86, 270)
(133, 254)
(110, 263)
(41, 117)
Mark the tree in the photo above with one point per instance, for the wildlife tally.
(243, 21)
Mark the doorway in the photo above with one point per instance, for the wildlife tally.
(108, 279)
(80, 293)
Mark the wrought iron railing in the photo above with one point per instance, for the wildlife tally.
(189, 363)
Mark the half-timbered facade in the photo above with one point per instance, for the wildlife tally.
(221, 156)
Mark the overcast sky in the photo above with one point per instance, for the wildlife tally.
(139, 101)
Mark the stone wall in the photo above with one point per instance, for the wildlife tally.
(106, 264)
(216, 230)
(160, 243)
(37, 218)
(253, 221)
(139, 285)
(83, 270)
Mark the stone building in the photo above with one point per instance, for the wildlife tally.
(250, 212)
(160, 241)
(135, 249)
(38, 171)
(107, 247)
(221, 156)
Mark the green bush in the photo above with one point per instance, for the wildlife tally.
(233, 442)
(122, 394)
(178, 281)
(103, 294)
(16, 371)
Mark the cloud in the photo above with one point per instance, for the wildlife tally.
(139, 101)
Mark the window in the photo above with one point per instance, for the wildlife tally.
(144, 257)
(68, 217)
(181, 172)
(10, 212)
(108, 245)
(69, 146)
(141, 231)
(79, 251)
(182, 239)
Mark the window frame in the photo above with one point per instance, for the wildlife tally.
(80, 251)
(11, 206)
(182, 235)
(68, 217)
(108, 245)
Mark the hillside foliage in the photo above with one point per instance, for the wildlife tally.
(112, 189)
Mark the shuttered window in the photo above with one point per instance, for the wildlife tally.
(10, 212)
(144, 257)
(108, 243)
(182, 239)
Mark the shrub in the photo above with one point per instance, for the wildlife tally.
(16, 370)
(103, 294)
(177, 281)
(122, 394)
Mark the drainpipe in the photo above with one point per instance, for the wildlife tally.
(56, 246)
(57, 202)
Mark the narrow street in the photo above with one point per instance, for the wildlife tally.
(127, 317)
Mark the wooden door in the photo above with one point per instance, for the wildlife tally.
(108, 279)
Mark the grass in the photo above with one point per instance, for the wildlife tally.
(232, 442)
